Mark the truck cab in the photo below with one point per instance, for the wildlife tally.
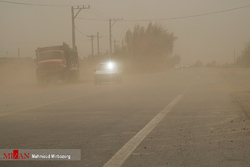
(60, 62)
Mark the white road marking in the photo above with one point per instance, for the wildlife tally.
(126, 150)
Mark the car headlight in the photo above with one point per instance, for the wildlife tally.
(110, 65)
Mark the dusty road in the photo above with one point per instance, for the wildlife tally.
(184, 117)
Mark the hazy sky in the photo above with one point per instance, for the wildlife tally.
(206, 38)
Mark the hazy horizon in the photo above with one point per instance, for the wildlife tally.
(206, 38)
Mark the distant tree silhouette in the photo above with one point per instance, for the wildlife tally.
(198, 64)
(151, 43)
(244, 59)
(175, 60)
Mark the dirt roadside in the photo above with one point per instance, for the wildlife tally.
(243, 99)
(239, 81)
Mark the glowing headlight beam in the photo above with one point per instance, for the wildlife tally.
(110, 65)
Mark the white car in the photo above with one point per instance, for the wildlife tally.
(107, 72)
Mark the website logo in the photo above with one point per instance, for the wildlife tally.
(16, 155)
(40, 155)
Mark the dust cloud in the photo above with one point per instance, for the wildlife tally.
(17, 75)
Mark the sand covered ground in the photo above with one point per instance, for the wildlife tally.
(238, 80)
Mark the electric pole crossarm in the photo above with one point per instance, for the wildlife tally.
(73, 22)
(115, 20)
(77, 13)
(80, 8)
(113, 23)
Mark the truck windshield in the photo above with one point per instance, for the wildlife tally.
(50, 55)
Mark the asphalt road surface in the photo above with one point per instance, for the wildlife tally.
(183, 117)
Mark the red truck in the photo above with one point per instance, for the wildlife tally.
(60, 62)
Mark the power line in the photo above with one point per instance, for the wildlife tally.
(92, 19)
(81, 32)
(95, 14)
(161, 19)
(197, 15)
(177, 18)
(32, 4)
(123, 28)
(100, 12)
(105, 36)
(21, 43)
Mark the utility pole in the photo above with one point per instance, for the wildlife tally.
(73, 22)
(110, 34)
(234, 56)
(92, 43)
(98, 49)
(110, 39)
(114, 45)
